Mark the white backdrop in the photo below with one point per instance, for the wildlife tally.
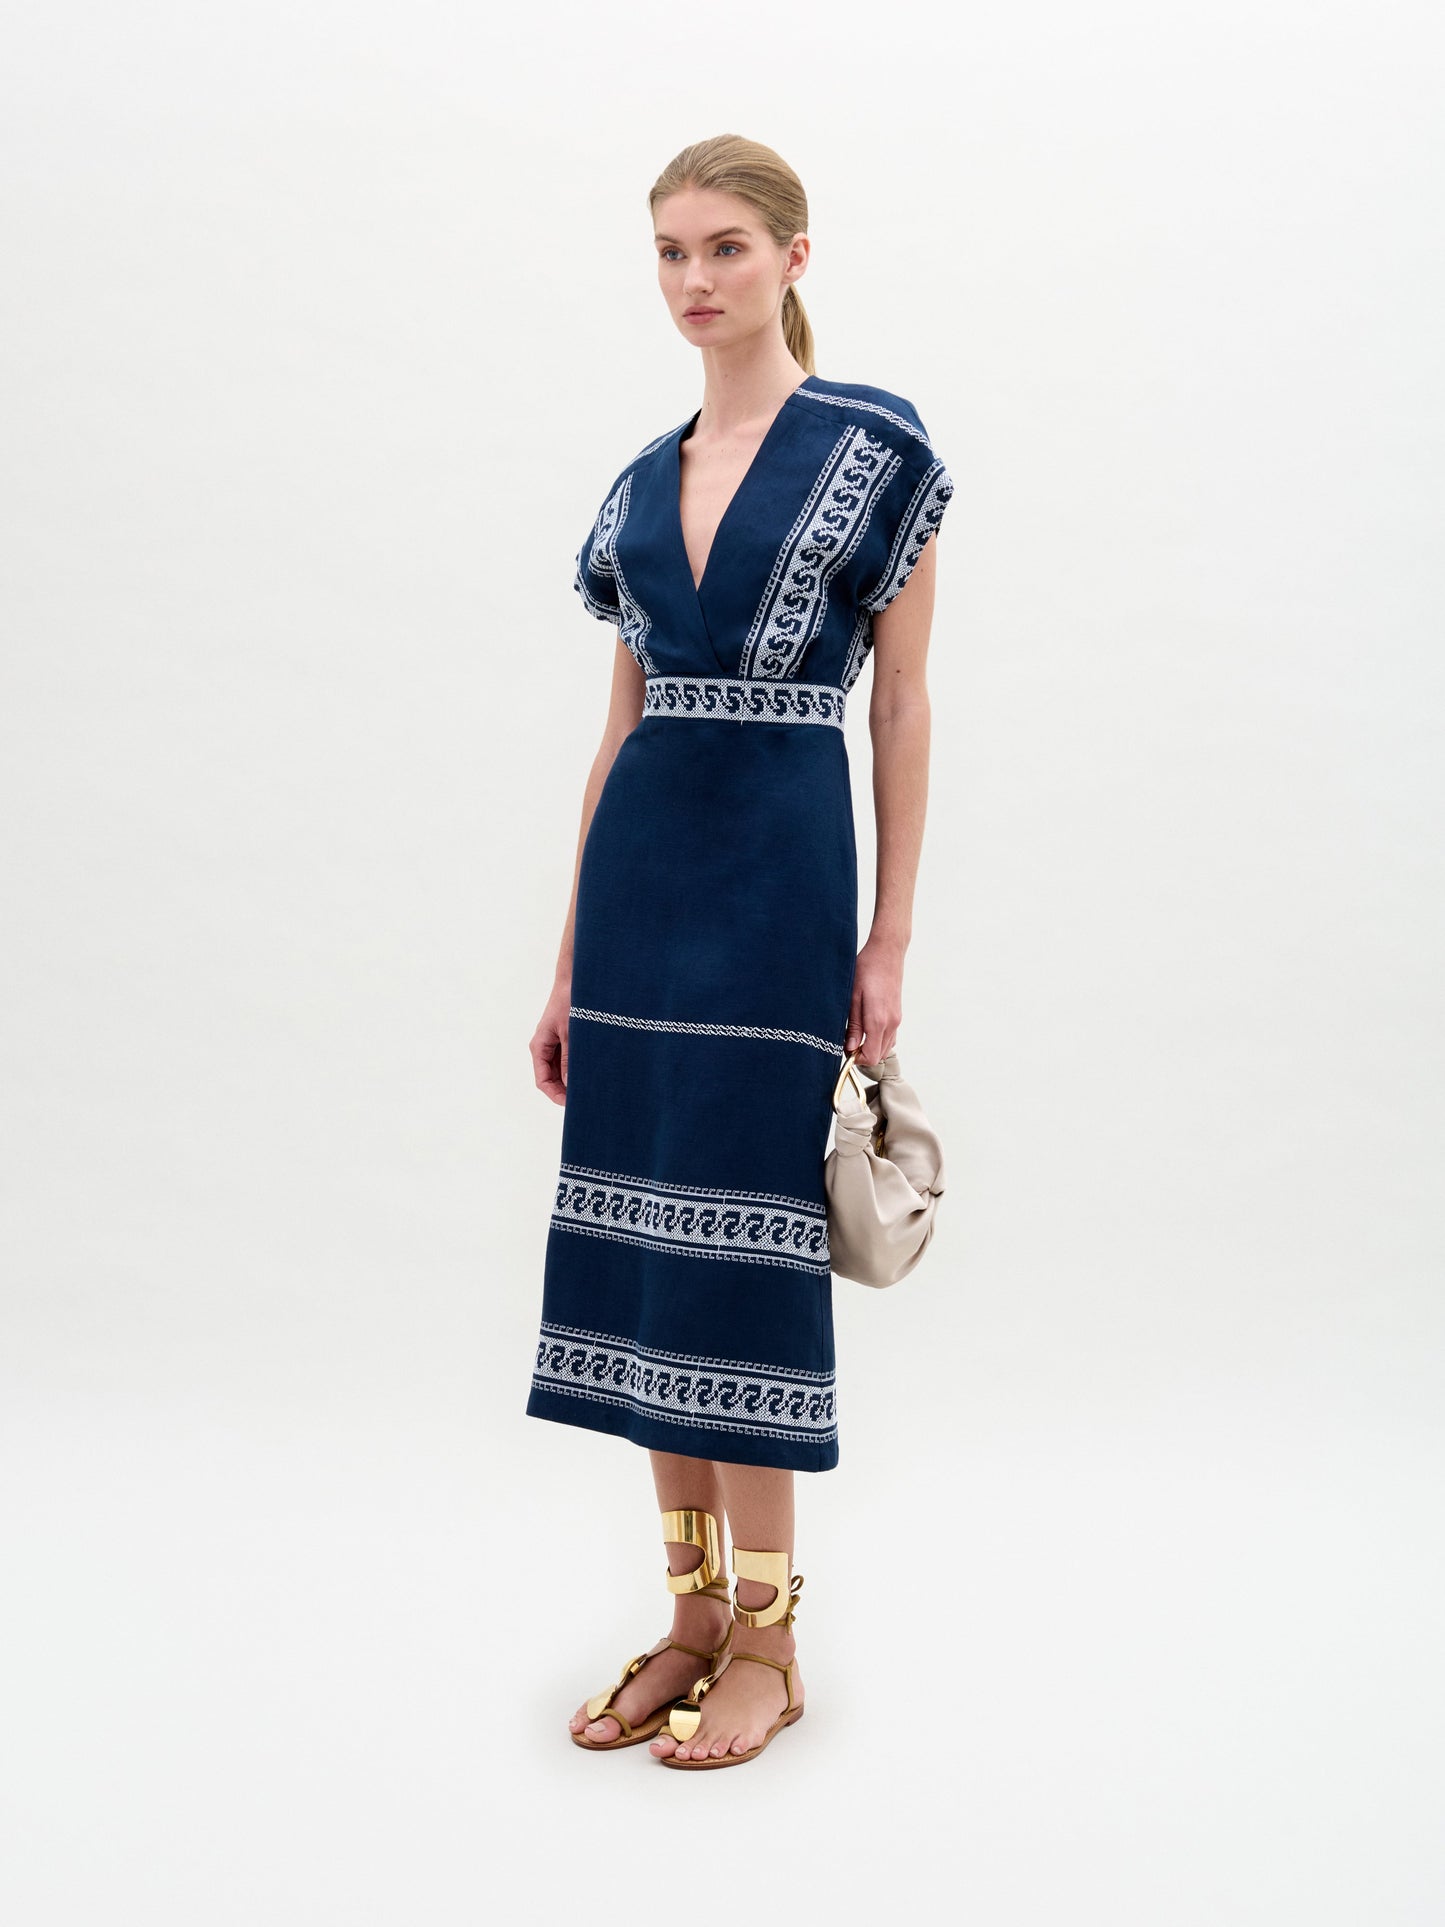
(325, 327)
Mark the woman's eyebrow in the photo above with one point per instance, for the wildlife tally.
(707, 237)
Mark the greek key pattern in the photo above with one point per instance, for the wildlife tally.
(831, 1046)
(713, 1394)
(757, 1227)
(920, 519)
(744, 699)
(828, 529)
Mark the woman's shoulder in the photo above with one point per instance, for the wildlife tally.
(652, 450)
(632, 469)
(882, 410)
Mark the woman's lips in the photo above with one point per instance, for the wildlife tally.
(701, 314)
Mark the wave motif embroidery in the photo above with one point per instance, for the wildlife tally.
(757, 1227)
(686, 1389)
(833, 521)
(633, 620)
(744, 700)
(920, 520)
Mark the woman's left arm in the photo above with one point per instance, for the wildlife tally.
(899, 721)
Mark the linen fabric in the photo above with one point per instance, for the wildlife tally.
(687, 1294)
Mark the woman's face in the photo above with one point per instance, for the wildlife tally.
(721, 273)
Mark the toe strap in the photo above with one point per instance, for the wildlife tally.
(599, 1702)
(611, 1713)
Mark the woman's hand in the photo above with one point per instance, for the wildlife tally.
(877, 1007)
(549, 1043)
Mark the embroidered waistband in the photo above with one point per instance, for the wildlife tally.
(745, 699)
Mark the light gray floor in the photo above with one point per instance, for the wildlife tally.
(1178, 1662)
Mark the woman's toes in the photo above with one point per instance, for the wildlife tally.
(738, 1746)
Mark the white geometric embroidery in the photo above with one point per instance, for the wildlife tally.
(705, 1191)
(859, 643)
(743, 700)
(874, 408)
(709, 1030)
(603, 611)
(920, 519)
(754, 1227)
(713, 1394)
(829, 528)
(632, 619)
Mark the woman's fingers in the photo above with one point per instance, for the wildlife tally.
(549, 1064)
(853, 1036)
(880, 1033)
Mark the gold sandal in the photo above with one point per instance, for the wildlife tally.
(689, 1528)
(768, 1569)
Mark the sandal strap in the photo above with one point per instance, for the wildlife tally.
(784, 1666)
(698, 1652)
(686, 1525)
(610, 1712)
(711, 1654)
(761, 1659)
(690, 1526)
(600, 1704)
(767, 1569)
(686, 1715)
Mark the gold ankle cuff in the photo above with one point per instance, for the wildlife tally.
(689, 1527)
(767, 1569)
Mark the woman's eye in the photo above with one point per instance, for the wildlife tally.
(668, 254)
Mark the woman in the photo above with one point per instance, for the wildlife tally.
(709, 982)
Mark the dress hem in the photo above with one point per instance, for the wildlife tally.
(692, 1441)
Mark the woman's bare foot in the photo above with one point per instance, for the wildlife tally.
(744, 1703)
(698, 1620)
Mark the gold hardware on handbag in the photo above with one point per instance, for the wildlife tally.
(882, 1202)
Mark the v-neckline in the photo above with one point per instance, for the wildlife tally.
(677, 441)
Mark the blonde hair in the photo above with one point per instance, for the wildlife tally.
(731, 164)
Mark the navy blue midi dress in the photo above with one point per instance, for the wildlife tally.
(687, 1297)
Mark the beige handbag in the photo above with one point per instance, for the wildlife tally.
(883, 1177)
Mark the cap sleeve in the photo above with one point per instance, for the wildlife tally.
(916, 499)
(595, 579)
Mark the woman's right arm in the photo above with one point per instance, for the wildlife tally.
(549, 1041)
